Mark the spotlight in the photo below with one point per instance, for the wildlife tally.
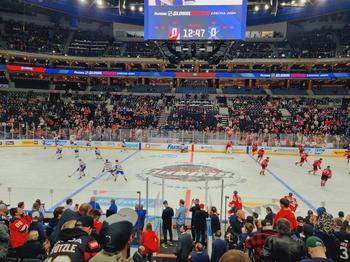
(266, 7)
(293, 2)
(256, 8)
(140, 9)
(82, 1)
(303, 1)
(99, 3)
(132, 8)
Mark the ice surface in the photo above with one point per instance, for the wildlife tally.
(27, 174)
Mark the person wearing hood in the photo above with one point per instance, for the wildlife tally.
(286, 213)
(118, 240)
(75, 241)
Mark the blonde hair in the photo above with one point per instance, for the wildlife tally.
(33, 235)
(69, 224)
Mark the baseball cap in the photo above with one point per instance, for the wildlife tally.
(118, 236)
(201, 206)
(124, 214)
(314, 242)
(85, 221)
(3, 206)
(35, 214)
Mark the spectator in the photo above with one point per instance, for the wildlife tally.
(94, 204)
(341, 215)
(119, 238)
(248, 232)
(214, 221)
(69, 204)
(256, 242)
(316, 250)
(33, 248)
(286, 213)
(180, 216)
(270, 215)
(36, 208)
(113, 209)
(219, 247)
(21, 205)
(282, 248)
(4, 232)
(200, 224)
(97, 223)
(309, 216)
(235, 256)
(199, 255)
(19, 225)
(194, 208)
(57, 213)
(343, 240)
(308, 231)
(140, 223)
(75, 235)
(150, 241)
(138, 255)
(38, 226)
(237, 222)
(185, 245)
(167, 217)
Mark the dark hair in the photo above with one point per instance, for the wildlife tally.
(255, 215)
(20, 204)
(96, 213)
(213, 209)
(269, 209)
(283, 226)
(218, 233)
(341, 214)
(148, 226)
(250, 219)
(36, 205)
(38, 201)
(69, 201)
(58, 211)
(182, 202)
(165, 202)
(13, 211)
(284, 202)
(113, 201)
(184, 226)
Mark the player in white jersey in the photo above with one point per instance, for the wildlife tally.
(56, 140)
(43, 142)
(81, 168)
(118, 170)
(107, 167)
(98, 153)
(88, 145)
(123, 145)
(59, 152)
(76, 151)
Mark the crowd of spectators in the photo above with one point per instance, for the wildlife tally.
(80, 233)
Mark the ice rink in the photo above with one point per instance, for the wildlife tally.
(30, 173)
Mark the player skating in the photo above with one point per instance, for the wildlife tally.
(107, 166)
(303, 159)
(81, 168)
(261, 153)
(347, 155)
(229, 147)
(123, 145)
(59, 152)
(301, 149)
(326, 174)
(118, 170)
(264, 165)
(88, 144)
(56, 140)
(76, 151)
(254, 148)
(43, 142)
(316, 166)
(98, 153)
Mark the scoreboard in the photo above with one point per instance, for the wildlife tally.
(195, 19)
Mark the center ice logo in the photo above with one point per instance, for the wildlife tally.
(188, 173)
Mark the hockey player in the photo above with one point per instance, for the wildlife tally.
(81, 168)
(347, 155)
(43, 141)
(303, 159)
(76, 151)
(326, 174)
(107, 167)
(316, 166)
(183, 148)
(59, 151)
(236, 203)
(264, 165)
(301, 149)
(56, 140)
(293, 203)
(123, 145)
(261, 153)
(229, 147)
(98, 153)
(118, 170)
(254, 148)
(88, 144)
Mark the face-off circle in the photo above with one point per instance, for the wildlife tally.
(191, 176)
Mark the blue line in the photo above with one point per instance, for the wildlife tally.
(88, 184)
(289, 187)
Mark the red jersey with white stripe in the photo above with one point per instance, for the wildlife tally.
(327, 172)
(19, 231)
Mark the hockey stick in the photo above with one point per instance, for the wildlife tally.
(72, 173)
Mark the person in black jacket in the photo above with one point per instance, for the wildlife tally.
(214, 221)
(237, 222)
(282, 248)
(219, 247)
(167, 217)
(200, 224)
(195, 207)
(33, 248)
(269, 215)
(185, 245)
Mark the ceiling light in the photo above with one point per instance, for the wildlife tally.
(256, 8)
(132, 8)
(141, 9)
(267, 7)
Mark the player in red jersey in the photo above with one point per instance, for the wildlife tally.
(316, 166)
(347, 154)
(301, 149)
(254, 148)
(264, 165)
(326, 174)
(303, 159)
(229, 147)
(236, 202)
(293, 203)
(261, 153)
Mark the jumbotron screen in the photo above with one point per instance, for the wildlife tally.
(195, 19)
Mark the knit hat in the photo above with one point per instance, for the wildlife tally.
(314, 242)
(320, 211)
(118, 236)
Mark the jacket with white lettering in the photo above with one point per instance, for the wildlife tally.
(74, 245)
(19, 231)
